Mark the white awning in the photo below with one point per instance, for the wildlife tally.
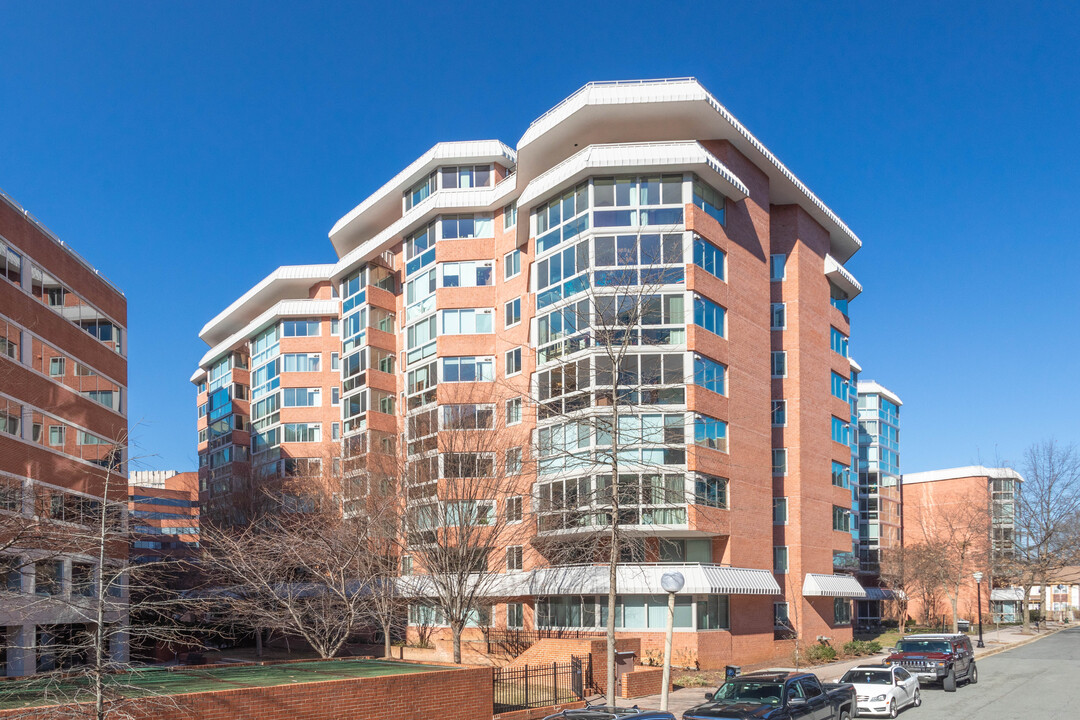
(1013, 594)
(637, 579)
(816, 585)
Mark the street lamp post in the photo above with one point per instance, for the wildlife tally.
(978, 593)
(672, 582)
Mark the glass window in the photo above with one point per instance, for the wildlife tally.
(709, 315)
(513, 467)
(513, 411)
(841, 611)
(300, 328)
(841, 519)
(779, 461)
(838, 341)
(467, 369)
(779, 413)
(467, 321)
(779, 511)
(779, 364)
(514, 557)
(779, 316)
(780, 559)
(708, 257)
(709, 200)
(515, 615)
(777, 267)
(513, 312)
(513, 362)
(56, 367)
(709, 374)
(710, 432)
(302, 397)
(511, 264)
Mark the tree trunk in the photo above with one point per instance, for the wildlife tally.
(613, 564)
(1025, 616)
(952, 605)
(386, 640)
(258, 643)
(455, 631)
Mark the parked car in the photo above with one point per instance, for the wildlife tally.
(943, 658)
(883, 689)
(606, 712)
(777, 696)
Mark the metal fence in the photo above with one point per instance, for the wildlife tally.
(533, 686)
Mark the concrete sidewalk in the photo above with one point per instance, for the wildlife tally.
(995, 640)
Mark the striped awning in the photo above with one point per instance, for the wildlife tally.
(817, 585)
(631, 579)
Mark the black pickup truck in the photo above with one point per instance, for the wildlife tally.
(777, 696)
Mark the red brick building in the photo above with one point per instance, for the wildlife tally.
(63, 430)
(955, 505)
(163, 510)
(268, 391)
(457, 281)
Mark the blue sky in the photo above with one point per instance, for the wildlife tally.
(187, 149)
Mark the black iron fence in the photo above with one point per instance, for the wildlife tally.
(533, 686)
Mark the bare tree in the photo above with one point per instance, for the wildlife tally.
(1046, 519)
(303, 568)
(452, 475)
(897, 569)
(108, 602)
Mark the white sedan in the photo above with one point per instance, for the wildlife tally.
(883, 689)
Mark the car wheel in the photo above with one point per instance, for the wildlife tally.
(973, 674)
(917, 700)
(844, 714)
(892, 708)
(949, 683)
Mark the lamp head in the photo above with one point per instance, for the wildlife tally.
(672, 581)
(978, 577)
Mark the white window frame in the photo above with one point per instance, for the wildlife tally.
(506, 407)
(783, 316)
(506, 310)
(515, 552)
(783, 268)
(784, 472)
(783, 501)
(520, 501)
(775, 403)
(520, 361)
(507, 264)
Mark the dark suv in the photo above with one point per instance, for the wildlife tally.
(946, 659)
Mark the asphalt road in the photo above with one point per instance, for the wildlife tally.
(1040, 681)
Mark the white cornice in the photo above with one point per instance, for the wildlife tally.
(842, 277)
(872, 387)
(385, 204)
(283, 309)
(960, 472)
(470, 200)
(286, 281)
(673, 109)
(634, 157)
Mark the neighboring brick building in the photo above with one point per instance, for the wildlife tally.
(163, 507)
(946, 506)
(272, 367)
(464, 277)
(63, 433)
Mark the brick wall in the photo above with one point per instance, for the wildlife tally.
(642, 682)
(464, 694)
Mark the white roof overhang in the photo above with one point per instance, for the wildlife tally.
(283, 309)
(384, 205)
(872, 387)
(664, 110)
(817, 585)
(635, 157)
(630, 580)
(842, 277)
(285, 282)
(470, 200)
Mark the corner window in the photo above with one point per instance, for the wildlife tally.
(510, 215)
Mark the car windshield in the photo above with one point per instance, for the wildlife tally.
(760, 693)
(926, 646)
(867, 677)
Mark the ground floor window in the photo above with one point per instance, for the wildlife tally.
(515, 615)
(841, 611)
(633, 612)
(433, 616)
